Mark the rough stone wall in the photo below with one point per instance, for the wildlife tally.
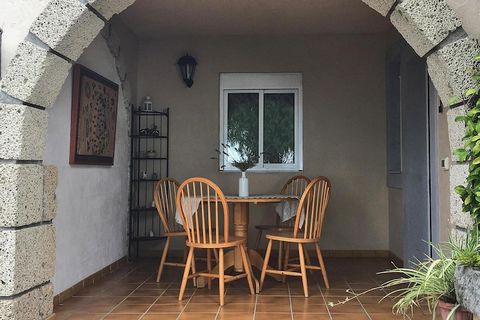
(37, 72)
(29, 85)
(434, 30)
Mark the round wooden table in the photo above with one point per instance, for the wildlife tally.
(241, 206)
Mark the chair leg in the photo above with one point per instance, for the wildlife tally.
(303, 269)
(194, 269)
(221, 286)
(280, 254)
(259, 239)
(185, 254)
(248, 269)
(265, 263)
(209, 267)
(307, 258)
(285, 261)
(322, 265)
(186, 272)
(162, 260)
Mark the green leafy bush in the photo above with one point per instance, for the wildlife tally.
(470, 193)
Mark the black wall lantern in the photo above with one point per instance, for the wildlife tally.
(187, 66)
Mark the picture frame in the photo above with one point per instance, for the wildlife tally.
(93, 118)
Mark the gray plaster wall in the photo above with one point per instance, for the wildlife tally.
(92, 200)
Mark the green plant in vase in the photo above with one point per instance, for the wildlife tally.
(429, 283)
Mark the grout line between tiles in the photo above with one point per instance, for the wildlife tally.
(290, 299)
(141, 284)
(188, 301)
(323, 297)
(360, 302)
(220, 307)
(255, 306)
(148, 309)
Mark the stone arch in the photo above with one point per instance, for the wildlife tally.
(34, 78)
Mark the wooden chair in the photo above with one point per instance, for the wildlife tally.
(312, 205)
(165, 196)
(294, 186)
(205, 231)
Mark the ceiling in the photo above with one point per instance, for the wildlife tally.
(156, 18)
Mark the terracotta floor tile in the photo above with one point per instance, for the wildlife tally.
(273, 307)
(349, 316)
(308, 316)
(202, 307)
(309, 308)
(123, 316)
(276, 316)
(273, 299)
(197, 316)
(238, 308)
(234, 316)
(131, 308)
(170, 300)
(139, 300)
(81, 316)
(160, 317)
(346, 308)
(166, 308)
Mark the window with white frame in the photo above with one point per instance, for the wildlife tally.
(261, 115)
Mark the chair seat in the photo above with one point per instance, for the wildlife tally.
(233, 242)
(288, 237)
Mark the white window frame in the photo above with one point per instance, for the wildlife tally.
(262, 83)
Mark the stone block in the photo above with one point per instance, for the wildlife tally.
(35, 75)
(23, 132)
(21, 194)
(458, 176)
(28, 258)
(107, 8)
(469, 12)
(50, 181)
(456, 130)
(67, 26)
(467, 282)
(381, 6)
(450, 67)
(424, 23)
(33, 305)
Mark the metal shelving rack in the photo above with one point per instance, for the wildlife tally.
(144, 224)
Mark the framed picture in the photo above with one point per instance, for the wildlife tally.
(94, 118)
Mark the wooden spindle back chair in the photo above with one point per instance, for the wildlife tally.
(205, 215)
(165, 194)
(295, 187)
(311, 211)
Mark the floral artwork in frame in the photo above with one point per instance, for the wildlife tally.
(94, 118)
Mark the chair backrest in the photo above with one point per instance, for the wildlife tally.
(312, 206)
(202, 206)
(165, 195)
(294, 186)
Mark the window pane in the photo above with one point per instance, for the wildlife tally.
(279, 128)
(242, 135)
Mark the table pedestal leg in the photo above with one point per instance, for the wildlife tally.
(240, 230)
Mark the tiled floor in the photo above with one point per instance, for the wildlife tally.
(131, 293)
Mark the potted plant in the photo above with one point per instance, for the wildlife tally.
(428, 282)
(467, 275)
(242, 158)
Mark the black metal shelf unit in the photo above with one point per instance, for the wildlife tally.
(149, 156)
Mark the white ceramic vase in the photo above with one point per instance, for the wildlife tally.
(243, 185)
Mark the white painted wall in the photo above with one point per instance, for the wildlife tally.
(92, 200)
(344, 120)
